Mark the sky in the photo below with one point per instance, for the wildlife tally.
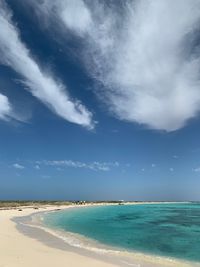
(100, 100)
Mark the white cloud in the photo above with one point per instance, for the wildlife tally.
(41, 84)
(145, 55)
(95, 166)
(18, 166)
(69, 12)
(5, 108)
(7, 111)
(73, 14)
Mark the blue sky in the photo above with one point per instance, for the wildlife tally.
(99, 100)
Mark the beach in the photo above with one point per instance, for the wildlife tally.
(22, 250)
(18, 250)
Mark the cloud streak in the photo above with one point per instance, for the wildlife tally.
(146, 60)
(7, 111)
(5, 108)
(95, 166)
(40, 84)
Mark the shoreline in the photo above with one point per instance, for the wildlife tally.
(21, 250)
(47, 237)
(133, 258)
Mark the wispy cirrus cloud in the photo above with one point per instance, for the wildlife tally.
(5, 108)
(146, 59)
(7, 111)
(39, 83)
(95, 166)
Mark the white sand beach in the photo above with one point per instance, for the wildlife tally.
(18, 250)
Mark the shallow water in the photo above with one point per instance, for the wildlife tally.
(171, 230)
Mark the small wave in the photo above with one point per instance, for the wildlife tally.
(72, 239)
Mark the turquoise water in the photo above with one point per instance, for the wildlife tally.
(171, 230)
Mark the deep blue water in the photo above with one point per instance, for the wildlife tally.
(171, 230)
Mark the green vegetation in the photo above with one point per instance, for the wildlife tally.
(17, 204)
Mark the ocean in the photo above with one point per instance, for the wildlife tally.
(169, 230)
